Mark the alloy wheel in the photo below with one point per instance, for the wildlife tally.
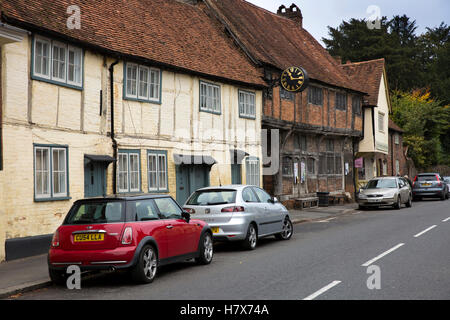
(208, 248)
(150, 264)
(287, 229)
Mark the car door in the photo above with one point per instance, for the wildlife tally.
(255, 207)
(406, 190)
(273, 220)
(182, 236)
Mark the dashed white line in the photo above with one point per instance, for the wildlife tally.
(368, 263)
(426, 230)
(445, 220)
(321, 291)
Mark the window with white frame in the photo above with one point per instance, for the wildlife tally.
(129, 171)
(157, 171)
(57, 61)
(381, 121)
(247, 104)
(50, 172)
(209, 97)
(396, 138)
(397, 167)
(252, 171)
(142, 83)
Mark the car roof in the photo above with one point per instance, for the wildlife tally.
(380, 178)
(428, 174)
(226, 187)
(127, 197)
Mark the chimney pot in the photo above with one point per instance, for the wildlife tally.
(293, 13)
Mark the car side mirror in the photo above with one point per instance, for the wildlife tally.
(273, 200)
(186, 216)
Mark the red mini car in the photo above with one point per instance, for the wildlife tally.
(139, 233)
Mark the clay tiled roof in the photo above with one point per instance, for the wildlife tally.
(278, 41)
(367, 75)
(394, 127)
(165, 32)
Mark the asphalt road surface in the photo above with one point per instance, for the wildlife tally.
(373, 254)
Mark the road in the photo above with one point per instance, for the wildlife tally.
(402, 254)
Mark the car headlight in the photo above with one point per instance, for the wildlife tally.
(362, 196)
(390, 194)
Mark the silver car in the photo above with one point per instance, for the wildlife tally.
(240, 213)
(385, 191)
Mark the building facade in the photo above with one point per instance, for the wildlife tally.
(311, 135)
(98, 110)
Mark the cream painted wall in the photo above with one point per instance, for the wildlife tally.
(37, 112)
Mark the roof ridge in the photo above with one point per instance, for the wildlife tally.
(361, 62)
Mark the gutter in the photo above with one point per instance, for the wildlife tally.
(114, 141)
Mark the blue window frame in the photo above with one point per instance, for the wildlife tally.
(57, 62)
(129, 171)
(247, 104)
(210, 97)
(51, 172)
(142, 83)
(157, 171)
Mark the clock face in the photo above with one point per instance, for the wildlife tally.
(293, 79)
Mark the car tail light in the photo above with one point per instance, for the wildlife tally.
(440, 182)
(233, 209)
(127, 237)
(189, 210)
(55, 239)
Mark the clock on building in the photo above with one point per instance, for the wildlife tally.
(294, 79)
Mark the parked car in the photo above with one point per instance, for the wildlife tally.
(137, 233)
(429, 185)
(385, 191)
(240, 213)
(447, 182)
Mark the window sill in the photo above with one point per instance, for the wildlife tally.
(142, 100)
(58, 83)
(247, 117)
(51, 199)
(210, 111)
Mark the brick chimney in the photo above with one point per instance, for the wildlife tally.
(293, 13)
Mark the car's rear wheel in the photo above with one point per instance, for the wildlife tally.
(288, 228)
(58, 277)
(251, 239)
(206, 249)
(145, 269)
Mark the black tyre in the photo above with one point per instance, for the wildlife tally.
(288, 230)
(58, 277)
(360, 207)
(251, 238)
(398, 204)
(206, 249)
(409, 203)
(147, 266)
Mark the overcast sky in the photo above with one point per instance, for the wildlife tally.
(318, 14)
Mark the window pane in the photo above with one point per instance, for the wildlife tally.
(59, 171)
(134, 172)
(123, 172)
(42, 172)
(152, 172)
(42, 57)
(162, 171)
(74, 66)
(59, 62)
(143, 82)
(168, 208)
(131, 80)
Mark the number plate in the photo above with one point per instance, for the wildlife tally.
(374, 200)
(88, 237)
(426, 184)
(215, 230)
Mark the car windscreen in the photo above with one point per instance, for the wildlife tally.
(96, 212)
(381, 184)
(430, 177)
(212, 197)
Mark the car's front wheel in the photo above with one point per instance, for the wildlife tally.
(252, 238)
(145, 269)
(206, 249)
(409, 203)
(287, 231)
(398, 204)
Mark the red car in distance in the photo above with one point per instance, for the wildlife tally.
(138, 233)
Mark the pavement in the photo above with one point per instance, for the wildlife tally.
(31, 273)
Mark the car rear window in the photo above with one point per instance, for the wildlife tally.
(96, 212)
(212, 197)
(430, 177)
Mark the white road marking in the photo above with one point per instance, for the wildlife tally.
(368, 263)
(426, 230)
(324, 289)
(327, 220)
(445, 220)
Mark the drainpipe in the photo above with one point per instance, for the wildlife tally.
(114, 142)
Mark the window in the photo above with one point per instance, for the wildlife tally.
(311, 164)
(322, 164)
(248, 195)
(252, 171)
(338, 165)
(330, 165)
(300, 142)
(142, 83)
(96, 212)
(168, 208)
(129, 171)
(287, 166)
(356, 105)
(57, 62)
(286, 95)
(157, 171)
(210, 97)
(341, 101)
(315, 95)
(144, 210)
(396, 138)
(329, 145)
(380, 121)
(247, 105)
(262, 195)
(397, 167)
(50, 172)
